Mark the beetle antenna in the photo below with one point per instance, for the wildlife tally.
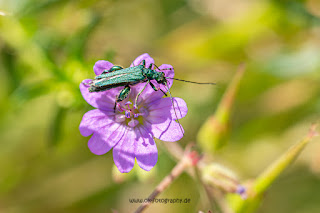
(174, 108)
(193, 82)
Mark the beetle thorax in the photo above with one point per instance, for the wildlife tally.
(155, 75)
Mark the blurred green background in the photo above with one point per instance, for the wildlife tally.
(48, 47)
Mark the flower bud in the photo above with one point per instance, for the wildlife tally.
(217, 175)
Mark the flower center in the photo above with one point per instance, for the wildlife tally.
(129, 114)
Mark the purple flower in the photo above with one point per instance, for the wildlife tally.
(130, 131)
(242, 191)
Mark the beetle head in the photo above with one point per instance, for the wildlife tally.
(161, 79)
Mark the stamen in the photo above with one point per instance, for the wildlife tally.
(143, 112)
(127, 114)
(128, 105)
(120, 109)
(130, 113)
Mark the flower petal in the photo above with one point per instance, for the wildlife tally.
(167, 69)
(123, 152)
(142, 57)
(168, 130)
(146, 150)
(94, 120)
(163, 108)
(105, 138)
(103, 100)
(101, 65)
(168, 73)
(148, 95)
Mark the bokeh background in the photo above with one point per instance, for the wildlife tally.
(48, 47)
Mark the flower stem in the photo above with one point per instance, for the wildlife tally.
(177, 153)
(184, 163)
(210, 199)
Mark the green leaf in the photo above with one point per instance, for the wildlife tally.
(212, 134)
(56, 126)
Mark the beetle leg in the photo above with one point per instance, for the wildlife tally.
(112, 69)
(136, 100)
(122, 95)
(156, 89)
(143, 62)
(159, 68)
(115, 105)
